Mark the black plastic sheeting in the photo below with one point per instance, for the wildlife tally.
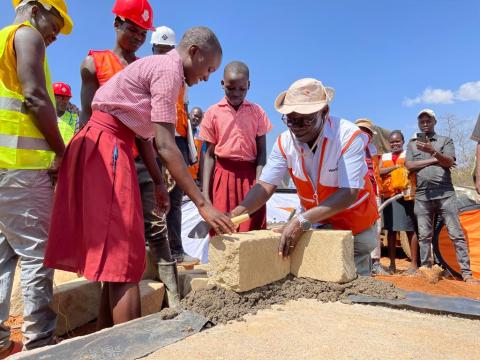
(133, 340)
(421, 302)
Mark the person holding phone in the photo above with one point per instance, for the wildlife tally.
(431, 156)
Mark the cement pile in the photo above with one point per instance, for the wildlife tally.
(220, 305)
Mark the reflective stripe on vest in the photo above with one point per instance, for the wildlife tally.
(21, 142)
(12, 105)
(22, 145)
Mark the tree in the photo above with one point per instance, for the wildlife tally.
(459, 131)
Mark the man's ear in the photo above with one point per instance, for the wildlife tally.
(193, 50)
(223, 83)
(34, 11)
(326, 111)
(248, 87)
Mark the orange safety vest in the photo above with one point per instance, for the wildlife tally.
(359, 216)
(193, 169)
(182, 117)
(108, 64)
(388, 189)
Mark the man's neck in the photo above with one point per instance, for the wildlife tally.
(60, 113)
(20, 19)
(127, 56)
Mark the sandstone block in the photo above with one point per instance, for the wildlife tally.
(76, 303)
(199, 283)
(244, 261)
(16, 302)
(151, 294)
(325, 255)
(186, 277)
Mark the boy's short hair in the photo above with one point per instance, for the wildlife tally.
(237, 67)
(202, 37)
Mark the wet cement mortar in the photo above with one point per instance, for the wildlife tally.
(221, 306)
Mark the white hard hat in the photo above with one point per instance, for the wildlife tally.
(163, 36)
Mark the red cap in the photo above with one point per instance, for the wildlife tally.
(60, 88)
(139, 12)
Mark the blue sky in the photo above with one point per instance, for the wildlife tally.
(386, 59)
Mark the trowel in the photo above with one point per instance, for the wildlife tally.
(201, 230)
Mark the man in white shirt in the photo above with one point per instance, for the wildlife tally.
(326, 160)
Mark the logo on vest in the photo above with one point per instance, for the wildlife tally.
(333, 170)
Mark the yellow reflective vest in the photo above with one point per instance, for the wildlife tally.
(22, 145)
(66, 124)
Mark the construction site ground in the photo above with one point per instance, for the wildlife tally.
(308, 329)
(407, 331)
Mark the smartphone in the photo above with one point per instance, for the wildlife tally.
(422, 137)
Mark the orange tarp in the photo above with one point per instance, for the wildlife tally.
(471, 226)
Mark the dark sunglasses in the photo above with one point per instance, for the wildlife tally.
(300, 122)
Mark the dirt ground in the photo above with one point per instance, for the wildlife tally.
(308, 329)
(252, 302)
(445, 287)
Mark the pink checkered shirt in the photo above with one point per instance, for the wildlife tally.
(145, 91)
(233, 132)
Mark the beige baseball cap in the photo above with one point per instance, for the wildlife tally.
(429, 112)
(304, 96)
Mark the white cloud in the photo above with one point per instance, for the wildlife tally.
(432, 96)
(469, 91)
(466, 92)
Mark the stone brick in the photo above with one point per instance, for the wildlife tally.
(325, 255)
(76, 303)
(151, 294)
(199, 283)
(16, 302)
(244, 261)
(186, 277)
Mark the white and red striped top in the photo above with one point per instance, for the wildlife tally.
(145, 91)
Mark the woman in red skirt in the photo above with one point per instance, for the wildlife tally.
(97, 222)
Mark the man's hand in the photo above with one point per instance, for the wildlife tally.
(425, 147)
(53, 170)
(219, 222)
(162, 199)
(290, 235)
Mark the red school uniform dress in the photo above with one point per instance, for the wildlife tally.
(234, 135)
(97, 222)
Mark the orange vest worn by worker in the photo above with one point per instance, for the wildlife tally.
(107, 64)
(399, 180)
(182, 116)
(359, 216)
(193, 169)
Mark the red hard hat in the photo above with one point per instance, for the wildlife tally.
(60, 88)
(137, 11)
